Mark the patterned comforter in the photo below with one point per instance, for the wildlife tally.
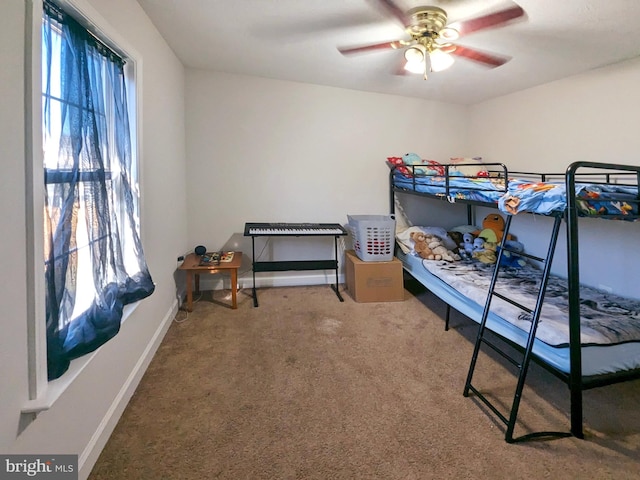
(606, 318)
(524, 196)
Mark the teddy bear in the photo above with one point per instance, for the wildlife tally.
(421, 246)
(492, 229)
(437, 247)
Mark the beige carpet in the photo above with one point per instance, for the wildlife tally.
(307, 387)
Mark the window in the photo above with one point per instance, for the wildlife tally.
(94, 264)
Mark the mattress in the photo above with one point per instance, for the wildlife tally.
(610, 331)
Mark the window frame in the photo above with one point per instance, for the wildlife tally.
(43, 393)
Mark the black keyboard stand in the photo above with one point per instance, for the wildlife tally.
(254, 230)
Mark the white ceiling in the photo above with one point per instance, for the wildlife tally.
(296, 40)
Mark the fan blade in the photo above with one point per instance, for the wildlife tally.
(491, 20)
(370, 48)
(484, 58)
(390, 7)
(287, 30)
(399, 68)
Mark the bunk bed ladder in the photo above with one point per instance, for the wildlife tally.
(522, 365)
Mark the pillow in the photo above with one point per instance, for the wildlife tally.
(423, 167)
(402, 222)
(399, 164)
(465, 229)
(406, 244)
(468, 170)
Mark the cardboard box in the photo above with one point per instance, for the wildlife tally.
(373, 281)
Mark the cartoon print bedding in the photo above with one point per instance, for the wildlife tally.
(592, 199)
(458, 187)
(606, 319)
(525, 196)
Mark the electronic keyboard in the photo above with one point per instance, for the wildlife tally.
(294, 229)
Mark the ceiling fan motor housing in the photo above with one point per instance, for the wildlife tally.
(426, 21)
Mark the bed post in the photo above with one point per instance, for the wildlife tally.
(392, 204)
(446, 322)
(573, 274)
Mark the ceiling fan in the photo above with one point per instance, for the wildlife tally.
(429, 47)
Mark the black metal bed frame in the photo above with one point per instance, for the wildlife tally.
(576, 382)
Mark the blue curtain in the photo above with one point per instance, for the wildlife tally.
(94, 263)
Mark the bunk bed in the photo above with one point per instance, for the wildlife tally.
(556, 322)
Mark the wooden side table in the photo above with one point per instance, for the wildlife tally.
(192, 268)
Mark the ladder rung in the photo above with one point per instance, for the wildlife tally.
(512, 302)
(501, 352)
(486, 401)
(543, 435)
(528, 255)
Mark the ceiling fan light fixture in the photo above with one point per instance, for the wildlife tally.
(414, 67)
(414, 54)
(440, 60)
(415, 57)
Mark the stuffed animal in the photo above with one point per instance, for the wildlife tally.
(478, 245)
(421, 246)
(510, 257)
(492, 229)
(437, 247)
(413, 160)
(466, 246)
(420, 166)
(457, 238)
(486, 254)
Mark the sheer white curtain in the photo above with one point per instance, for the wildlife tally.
(94, 264)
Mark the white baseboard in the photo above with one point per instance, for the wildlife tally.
(90, 454)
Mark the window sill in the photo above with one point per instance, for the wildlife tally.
(55, 388)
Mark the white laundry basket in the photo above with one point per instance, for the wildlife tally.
(373, 236)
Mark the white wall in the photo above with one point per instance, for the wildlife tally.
(330, 145)
(13, 341)
(261, 150)
(82, 418)
(592, 117)
(588, 117)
